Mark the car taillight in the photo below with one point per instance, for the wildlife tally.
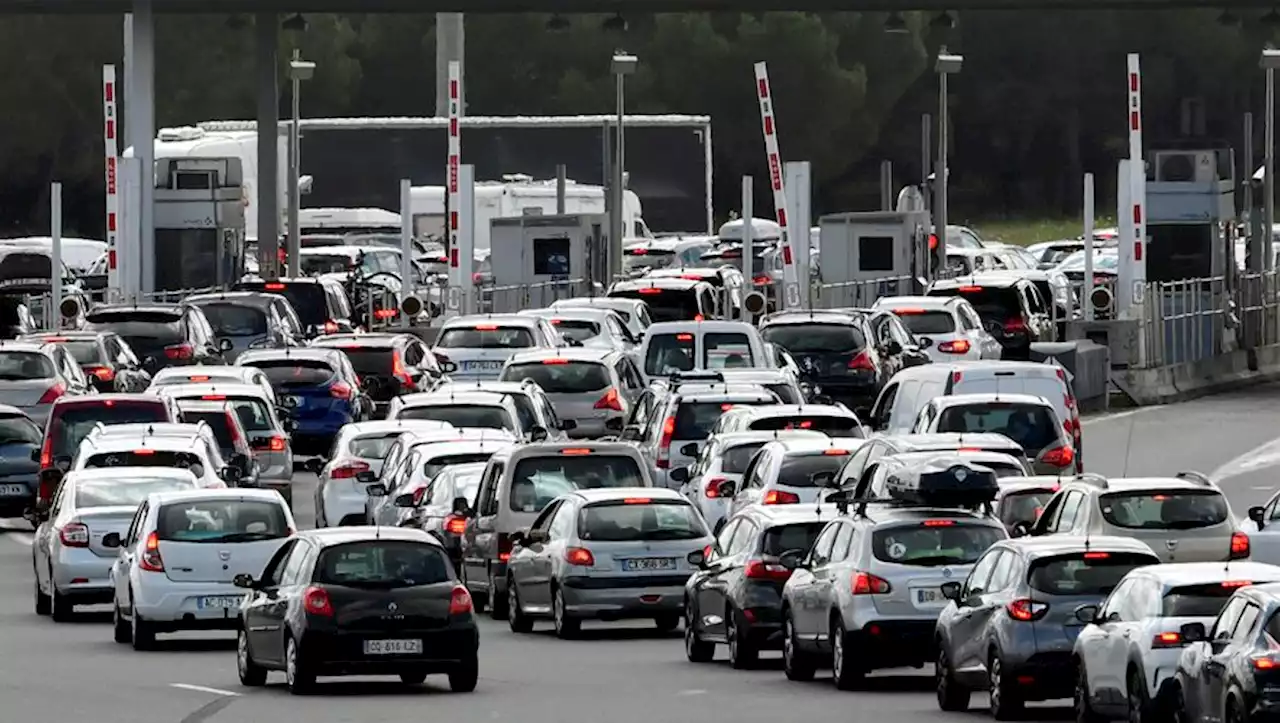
(610, 400)
(316, 602)
(863, 362)
(959, 346)
(1167, 640)
(460, 601)
(1060, 457)
(331, 327)
(864, 583)
(349, 470)
(1026, 610)
(150, 559)
(1014, 326)
(763, 570)
(664, 444)
(52, 393)
(1265, 663)
(275, 444)
(74, 534)
(455, 525)
(778, 497)
(762, 281)
(579, 556)
(1239, 546)
(46, 453)
(398, 371)
(712, 488)
(179, 352)
(340, 390)
(106, 374)
(504, 547)
(232, 430)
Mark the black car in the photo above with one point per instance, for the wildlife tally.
(1010, 307)
(358, 601)
(388, 364)
(163, 335)
(735, 599)
(19, 462)
(837, 351)
(321, 303)
(104, 357)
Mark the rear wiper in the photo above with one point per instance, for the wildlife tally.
(248, 536)
(669, 535)
(933, 560)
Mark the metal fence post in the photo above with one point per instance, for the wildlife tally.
(55, 232)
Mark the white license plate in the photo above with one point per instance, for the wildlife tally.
(218, 602)
(929, 596)
(488, 366)
(392, 647)
(13, 490)
(649, 563)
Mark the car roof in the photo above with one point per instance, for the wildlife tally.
(694, 389)
(175, 309)
(315, 353)
(392, 426)
(256, 299)
(603, 301)
(25, 346)
(456, 386)
(48, 337)
(1199, 573)
(808, 317)
(111, 473)
(1013, 485)
(332, 536)
(206, 370)
(554, 449)
(148, 429)
(974, 456)
(960, 400)
(588, 313)
(776, 515)
(241, 493)
(734, 439)
(527, 322)
(712, 326)
(374, 340)
(809, 445)
(1137, 484)
(571, 353)
(110, 398)
(666, 283)
(939, 303)
(1049, 545)
(447, 447)
(787, 410)
(8, 410)
(736, 393)
(110, 444)
(755, 375)
(213, 389)
(944, 441)
(449, 397)
(887, 511)
(993, 279)
(614, 494)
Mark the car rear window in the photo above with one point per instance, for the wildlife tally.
(798, 469)
(1033, 426)
(538, 480)
(787, 394)
(1164, 510)
(125, 492)
(694, 420)
(218, 422)
(665, 304)
(316, 264)
(919, 321)
(726, 351)
(19, 430)
(834, 426)
(799, 536)
(372, 446)
(561, 376)
(382, 565)
(295, 372)
(370, 360)
(1200, 601)
(641, 259)
(933, 543)
(145, 331)
(486, 337)
(222, 521)
(84, 351)
(21, 365)
(669, 353)
(461, 415)
(308, 299)
(816, 338)
(992, 304)
(73, 422)
(144, 457)
(235, 319)
(1023, 506)
(1084, 573)
(577, 329)
(639, 520)
(435, 465)
(735, 459)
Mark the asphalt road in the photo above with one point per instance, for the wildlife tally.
(621, 673)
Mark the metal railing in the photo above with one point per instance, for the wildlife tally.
(862, 293)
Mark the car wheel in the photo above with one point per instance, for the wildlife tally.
(846, 673)
(463, 678)
(952, 696)
(796, 663)
(120, 630)
(413, 677)
(497, 603)
(1005, 703)
(141, 634)
(298, 677)
(1080, 699)
(1138, 700)
(1232, 713)
(61, 608)
(251, 674)
(43, 605)
(567, 627)
(516, 619)
(479, 600)
(742, 654)
(696, 649)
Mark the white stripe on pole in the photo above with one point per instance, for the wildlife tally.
(110, 130)
(407, 286)
(54, 314)
(1086, 293)
(790, 280)
(455, 158)
(1137, 183)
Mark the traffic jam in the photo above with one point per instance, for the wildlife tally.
(847, 490)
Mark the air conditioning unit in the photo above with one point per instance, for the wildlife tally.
(1186, 166)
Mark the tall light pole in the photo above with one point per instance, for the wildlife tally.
(623, 65)
(1269, 62)
(946, 64)
(299, 70)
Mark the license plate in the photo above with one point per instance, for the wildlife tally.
(218, 602)
(649, 563)
(13, 490)
(392, 647)
(929, 596)
(488, 366)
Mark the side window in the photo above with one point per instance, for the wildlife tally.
(1113, 608)
(753, 477)
(821, 551)
(135, 527)
(840, 548)
(1227, 619)
(412, 354)
(487, 498)
(743, 537)
(884, 405)
(977, 582)
(925, 420)
(1004, 575)
(272, 573)
(290, 575)
(853, 468)
(1273, 509)
(562, 525)
(1244, 630)
(725, 537)
(1070, 509)
(543, 522)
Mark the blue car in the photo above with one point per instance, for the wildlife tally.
(19, 461)
(315, 387)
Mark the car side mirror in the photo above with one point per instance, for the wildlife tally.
(225, 345)
(697, 558)
(690, 449)
(376, 490)
(315, 465)
(1259, 516)
(1193, 632)
(244, 580)
(461, 507)
(892, 348)
(535, 537)
(404, 500)
(1020, 529)
(1087, 613)
(538, 434)
(112, 539)
(951, 591)
(149, 364)
(568, 425)
(924, 342)
(519, 537)
(792, 559)
(629, 434)
(366, 477)
(727, 488)
(679, 474)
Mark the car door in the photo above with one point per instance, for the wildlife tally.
(1101, 644)
(475, 561)
(753, 480)
(1211, 671)
(1243, 633)
(711, 588)
(261, 625)
(809, 619)
(833, 573)
(123, 564)
(973, 610)
(535, 576)
(1264, 540)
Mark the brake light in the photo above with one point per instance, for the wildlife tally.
(398, 371)
(835, 452)
(198, 378)
(1264, 663)
(1097, 555)
(637, 252)
(385, 313)
(316, 602)
(144, 452)
(74, 534)
(1239, 545)
(664, 444)
(1014, 325)
(579, 556)
(231, 427)
(762, 281)
(610, 400)
(778, 497)
(712, 488)
(864, 583)
(1026, 610)
(504, 547)
(52, 393)
(939, 523)
(340, 390)
(477, 277)
(959, 346)
(933, 241)
(214, 397)
(105, 374)
(691, 277)
(650, 290)
(637, 501)
(46, 453)
(55, 339)
(1167, 640)
(908, 312)
(956, 377)
(699, 317)
(273, 287)
(761, 570)
(460, 601)
(684, 337)
(418, 494)
(180, 352)
(150, 559)
(1237, 583)
(863, 362)
(576, 451)
(555, 360)
(1060, 457)
(970, 289)
(455, 525)
(331, 327)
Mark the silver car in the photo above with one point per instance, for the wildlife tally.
(33, 376)
(600, 328)
(605, 554)
(634, 312)
(789, 472)
(391, 500)
(71, 564)
(479, 345)
(1029, 420)
(591, 388)
(211, 374)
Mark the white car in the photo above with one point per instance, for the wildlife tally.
(72, 566)
(948, 328)
(634, 312)
(479, 346)
(589, 327)
(219, 374)
(181, 553)
(788, 472)
(194, 452)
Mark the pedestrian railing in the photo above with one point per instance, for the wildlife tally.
(861, 293)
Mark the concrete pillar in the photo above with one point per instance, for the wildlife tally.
(268, 191)
(450, 46)
(140, 124)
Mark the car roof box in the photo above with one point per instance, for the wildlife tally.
(943, 481)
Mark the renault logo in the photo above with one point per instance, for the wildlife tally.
(946, 572)
(224, 555)
(1171, 545)
(392, 607)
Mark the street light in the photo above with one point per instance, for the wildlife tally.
(947, 64)
(299, 70)
(1269, 62)
(623, 65)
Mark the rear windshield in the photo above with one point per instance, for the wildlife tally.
(307, 299)
(638, 259)
(144, 457)
(783, 538)
(930, 545)
(372, 447)
(145, 331)
(567, 378)
(486, 337)
(295, 372)
(639, 520)
(222, 521)
(694, 420)
(1004, 469)
(538, 480)
(798, 470)
(998, 305)
(1033, 426)
(1198, 601)
(834, 426)
(74, 421)
(20, 365)
(127, 493)
(19, 430)
(316, 264)
(1170, 510)
(735, 459)
(461, 415)
(370, 360)
(816, 338)
(577, 329)
(668, 354)
(1084, 573)
(382, 564)
(435, 465)
(218, 422)
(235, 319)
(254, 414)
(84, 351)
(787, 394)
(1023, 506)
(726, 351)
(927, 322)
(665, 304)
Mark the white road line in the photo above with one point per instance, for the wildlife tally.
(1260, 457)
(1119, 415)
(204, 689)
(692, 691)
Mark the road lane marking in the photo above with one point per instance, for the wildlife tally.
(1120, 415)
(1260, 457)
(22, 538)
(692, 691)
(205, 689)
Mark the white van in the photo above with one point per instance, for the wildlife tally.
(673, 347)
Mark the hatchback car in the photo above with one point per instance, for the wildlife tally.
(838, 352)
(104, 357)
(670, 299)
(19, 462)
(479, 346)
(792, 471)
(211, 374)
(35, 375)
(465, 409)
(591, 388)
(1010, 306)
(162, 335)
(190, 447)
(1030, 421)
(948, 328)
(392, 499)
(317, 389)
(320, 303)
(831, 419)
(250, 320)
(434, 511)
(597, 328)
(389, 365)
(634, 312)
(225, 423)
(681, 347)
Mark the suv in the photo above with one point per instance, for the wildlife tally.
(161, 334)
(479, 346)
(670, 299)
(862, 466)
(320, 303)
(947, 328)
(838, 352)
(532, 404)
(830, 419)
(592, 389)
(1029, 420)
(1010, 306)
(388, 364)
(466, 409)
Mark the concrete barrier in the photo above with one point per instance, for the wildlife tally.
(1180, 382)
(1089, 365)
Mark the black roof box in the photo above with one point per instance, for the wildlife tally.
(943, 481)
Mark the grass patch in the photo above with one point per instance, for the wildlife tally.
(1024, 232)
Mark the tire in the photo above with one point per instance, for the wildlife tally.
(463, 678)
(742, 654)
(1232, 713)
(696, 649)
(1080, 699)
(298, 676)
(497, 603)
(251, 674)
(1139, 702)
(567, 628)
(120, 630)
(667, 623)
(61, 607)
(516, 619)
(796, 663)
(43, 604)
(141, 634)
(952, 697)
(413, 677)
(846, 673)
(1006, 704)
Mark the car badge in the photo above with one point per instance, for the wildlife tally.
(1171, 544)
(946, 572)
(392, 607)
(224, 555)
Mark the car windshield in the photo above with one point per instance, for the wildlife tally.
(1101, 260)
(735, 459)
(577, 329)
(798, 469)
(308, 299)
(317, 264)
(486, 337)
(73, 422)
(639, 519)
(382, 564)
(1033, 426)
(1084, 573)
(1164, 510)
(694, 420)
(922, 322)
(726, 351)
(1200, 601)
(126, 492)
(934, 543)
(831, 425)
(669, 353)
(561, 376)
(461, 415)
(783, 538)
(435, 465)
(787, 393)
(372, 446)
(1024, 506)
(295, 372)
(816, 338)
(665, 304)
(235, 319)
(538, 480)
(19, 430)
(22, 365)
(992, 304)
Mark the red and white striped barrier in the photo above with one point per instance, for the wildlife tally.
(790, 278)
(1137, 180)
(455, 158)
(110, 131)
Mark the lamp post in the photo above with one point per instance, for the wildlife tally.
(946, 64)
(299, 70)
(1269, 62)
(623, 65)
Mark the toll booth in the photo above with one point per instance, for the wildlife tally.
(872, 254)
(538, 259)
(200, 223)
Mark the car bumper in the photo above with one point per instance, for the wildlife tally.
(331, 653)
(339, 507)
(174, 605)
(614, 599)
(595, 427)
(79, 573)
(1044, 676)
(17, 505)
(895, 643)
